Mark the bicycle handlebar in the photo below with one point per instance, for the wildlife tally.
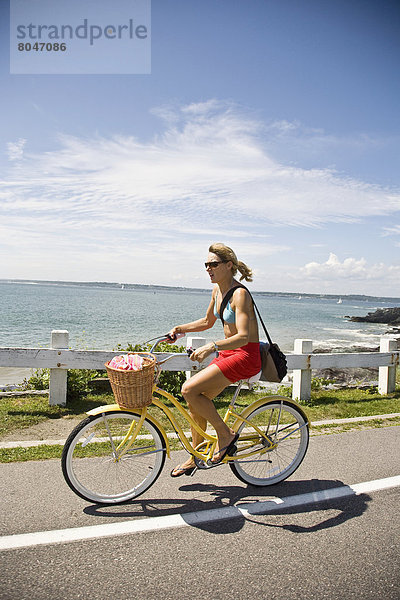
(166, 338)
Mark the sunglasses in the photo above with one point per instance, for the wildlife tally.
(214, 264)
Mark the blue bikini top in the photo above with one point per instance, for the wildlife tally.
(229, 313)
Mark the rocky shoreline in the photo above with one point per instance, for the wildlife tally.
(388, 316)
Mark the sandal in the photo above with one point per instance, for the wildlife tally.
(226, 451)
(178, 471)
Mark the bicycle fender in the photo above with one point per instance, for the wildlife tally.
(268, 399)
(137, 411)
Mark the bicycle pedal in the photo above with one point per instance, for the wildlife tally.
(211, 465)
(201, 464)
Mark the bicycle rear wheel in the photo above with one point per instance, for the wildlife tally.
(271, 459)
(99, 465)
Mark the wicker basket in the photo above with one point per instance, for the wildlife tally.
(133, 389)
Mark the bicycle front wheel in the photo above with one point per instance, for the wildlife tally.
(272, 444)
(101, 464)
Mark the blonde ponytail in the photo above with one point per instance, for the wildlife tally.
(246, 272)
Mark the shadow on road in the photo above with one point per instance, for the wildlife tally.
(276, 501)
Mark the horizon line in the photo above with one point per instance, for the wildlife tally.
(182, 287)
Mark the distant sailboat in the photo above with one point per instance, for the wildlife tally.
(299, 298)
(339, 301)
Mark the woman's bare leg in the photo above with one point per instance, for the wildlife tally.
(199, 391)
(197, 438)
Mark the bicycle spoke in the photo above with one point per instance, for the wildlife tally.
(96, 469)
(276, 456)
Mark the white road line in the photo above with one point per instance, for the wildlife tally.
(59, 536)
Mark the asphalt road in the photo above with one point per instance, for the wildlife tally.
(338, 548)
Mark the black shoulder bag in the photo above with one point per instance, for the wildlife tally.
(273, 361)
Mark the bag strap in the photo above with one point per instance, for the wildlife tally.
(226, 299)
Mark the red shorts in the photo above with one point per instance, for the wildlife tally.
(241, 363)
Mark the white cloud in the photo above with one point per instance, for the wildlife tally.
(307, 142)
(214, 161)
(208, 177)
(350, 268)
(16, 149)
(392, 230)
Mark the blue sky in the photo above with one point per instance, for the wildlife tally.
(273, 127)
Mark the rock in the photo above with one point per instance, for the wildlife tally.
(382, 315)
(342, 350)
(350, 376)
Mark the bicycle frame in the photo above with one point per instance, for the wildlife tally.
(209, 440)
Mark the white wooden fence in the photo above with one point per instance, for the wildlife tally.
(59, 358)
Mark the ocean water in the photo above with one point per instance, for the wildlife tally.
(102, 317)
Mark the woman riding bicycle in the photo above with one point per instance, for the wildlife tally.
(239, 353)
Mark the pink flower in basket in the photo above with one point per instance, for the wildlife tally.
(127, 362)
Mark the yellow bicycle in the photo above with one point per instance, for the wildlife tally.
(116, 454)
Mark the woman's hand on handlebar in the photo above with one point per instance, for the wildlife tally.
(201, 353)
(174, 334)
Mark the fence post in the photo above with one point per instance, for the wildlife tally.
(387, 375)
(194, 343)
(58, 377)
(302, 377)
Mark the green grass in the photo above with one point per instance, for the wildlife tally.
(345, 403)
(17, 413)
(20, 412)
(23, 411)
(46, 452)
(32, 453)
